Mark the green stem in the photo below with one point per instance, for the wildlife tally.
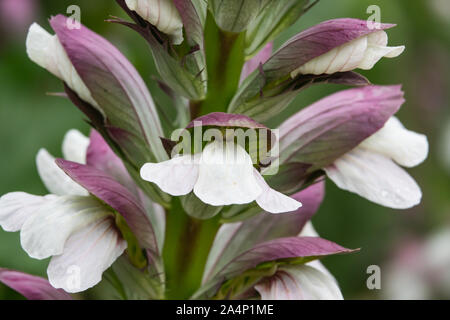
(224, 61)
(186, 250)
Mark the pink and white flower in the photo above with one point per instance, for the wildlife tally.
(222, 174)
(71, 226)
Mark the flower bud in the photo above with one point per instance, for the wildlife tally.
(46, 50)
(162, 14)
(362, 53)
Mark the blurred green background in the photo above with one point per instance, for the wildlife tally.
(30, 119)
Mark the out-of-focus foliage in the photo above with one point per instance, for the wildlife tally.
(30, 119)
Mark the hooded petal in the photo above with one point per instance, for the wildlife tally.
(115, 84)
(87, 254)
(99, 155)
(309, 231)
(363, 53)
(44, 234)
(17, 207)
(162, 14)
(331, 127)
(343, 58)
(303, 248)
(226, 175)
(233, 239)
(107, 189)
(75, 146)
(405, 147)
(376, 178)
(273, 201)
(283, 248)
(54, 179)
(299, 283)
(176, 177)
(315, 42)
(31, 287)
(46, 51)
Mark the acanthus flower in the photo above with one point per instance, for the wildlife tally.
(224, 161)
(361, 53)
(71, 225)
(373, 170)
(221, 230)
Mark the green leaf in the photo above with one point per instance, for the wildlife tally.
(175, 75)
(236, 15)
(275, 18)
(198, 209)
(261, 100)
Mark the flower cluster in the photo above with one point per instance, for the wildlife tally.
(226, 216)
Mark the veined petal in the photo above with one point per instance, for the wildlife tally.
(363, 53)
(273, 201)
(405, 147)
(162, 14)
(226, 175)
(376, 178)
(31, 287)
(235, 238)
(343, 58)
(176, 177)
(87, 254)
(44, 234)
(104, 187)
(16, 207)
(46, 51)
(101, 156)
(54, 179)
(331, 127)
(299, 283)
(75, 146)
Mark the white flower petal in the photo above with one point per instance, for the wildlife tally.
(46, 51)
(376, 178)
(41, 49)
(363, 53)
(45, 233)
(162, 14)
(273, 201)
(405, 147)
(55, 180)
(299, 283)
(226, 176)
(379, 38)
(175, 177)
(377, 48)
(310, 231)
(75, 145)
(16, 207)
(374, 54)
(87, 254)
(343, 58)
